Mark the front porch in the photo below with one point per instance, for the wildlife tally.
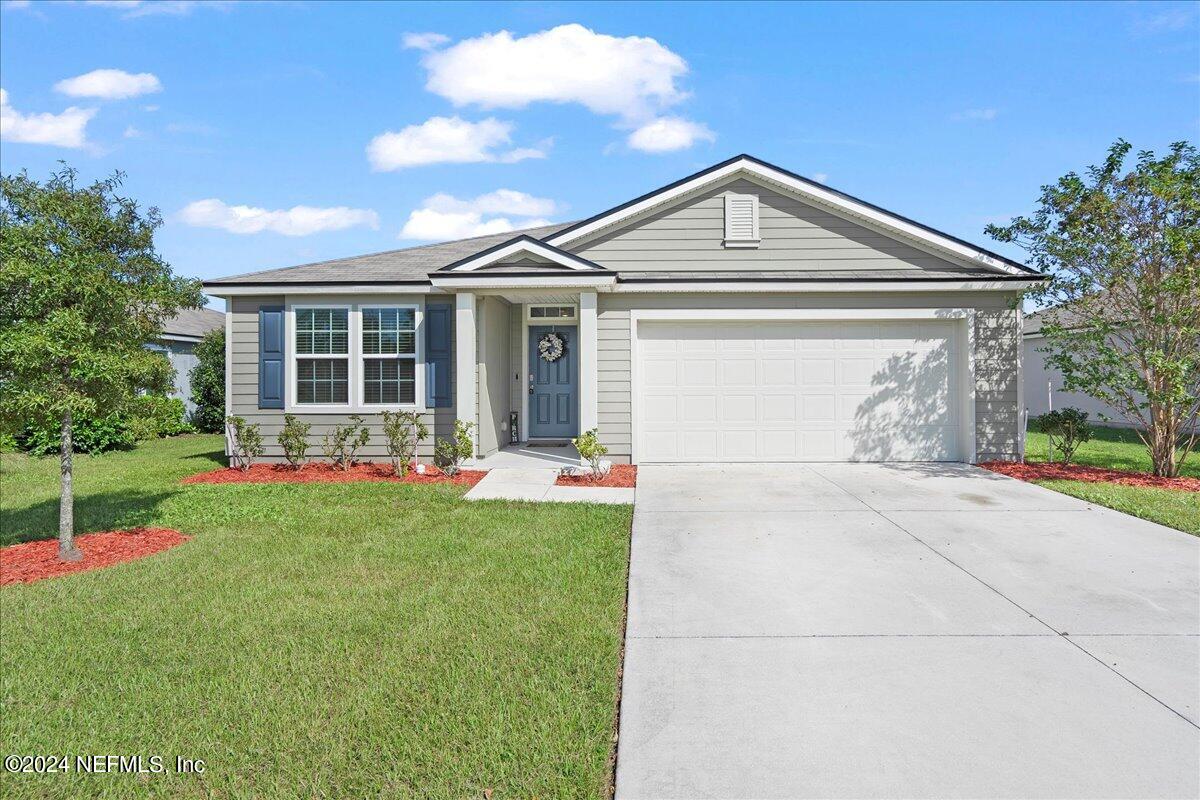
(525, 456)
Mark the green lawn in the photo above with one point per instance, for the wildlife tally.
(1120, 448)
(355, 640)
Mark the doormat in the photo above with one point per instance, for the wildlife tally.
(546, 444)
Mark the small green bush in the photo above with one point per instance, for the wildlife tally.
(1067, 428)
(590, 449)
(208, 382)
(88, 435)
(341, 444)
(449, 453)
(160, 416)
(403, 431)
(293, 439)
(246, 441)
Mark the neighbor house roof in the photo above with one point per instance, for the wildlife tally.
(193, 323)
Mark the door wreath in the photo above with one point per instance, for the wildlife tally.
(550, 347)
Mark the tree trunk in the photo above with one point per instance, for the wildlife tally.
(67, 551)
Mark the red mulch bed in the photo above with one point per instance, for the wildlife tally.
(1038, 471)
(621, 476)
(328, 473)
(34, 561)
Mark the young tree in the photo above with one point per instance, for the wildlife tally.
(208, 382)
(82, 290)
(1123, 252)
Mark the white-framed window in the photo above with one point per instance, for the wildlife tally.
(355, 357)
(741, 220)
(322, 355)
(552, 314)
(389, 355)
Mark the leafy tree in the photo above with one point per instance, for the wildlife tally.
(1123, 252)
(208, 382)
(82, 290)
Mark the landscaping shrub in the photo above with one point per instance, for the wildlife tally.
(208, 382)
(293, 439)
(590, 449)
(1067, 428)
(343, 442)
(155, 415)
(449, 453)
(246, 440)
(88, 435)
(403, 430)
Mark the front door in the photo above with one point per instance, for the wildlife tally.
(553, 382)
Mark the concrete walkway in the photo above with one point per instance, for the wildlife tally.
(537, 484)
(903, 631)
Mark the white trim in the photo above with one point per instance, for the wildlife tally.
(760, 287)
(1022, 422)
(524, 371)
(525, 246)
(355, 391)
(465, 369)
(589, 363)
(964, 317)
(805, 190)
(229, 374)
(504, 281)
(575, 323)
(226, 292)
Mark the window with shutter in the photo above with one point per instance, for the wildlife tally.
(741, 220)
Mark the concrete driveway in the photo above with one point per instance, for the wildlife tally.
(867, 630)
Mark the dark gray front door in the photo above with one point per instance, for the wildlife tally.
(553, 385)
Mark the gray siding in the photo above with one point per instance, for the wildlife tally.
(996, 355)
(794, 236)
(243, 399)
(183, 360)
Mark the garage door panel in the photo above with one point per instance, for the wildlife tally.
(788, 391)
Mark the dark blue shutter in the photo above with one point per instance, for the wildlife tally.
(437, 355)
(270, 357)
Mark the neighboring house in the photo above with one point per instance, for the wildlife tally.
(743, 313)
(1044, 384)
(179, 338)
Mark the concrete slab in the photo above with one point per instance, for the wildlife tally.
(1167, 667)
(941, 487)
(1029, 717)
(1093, 572)
(739, 487)
(791, 573)
(590, 494)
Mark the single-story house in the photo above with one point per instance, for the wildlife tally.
(180, 335)
(743, 313)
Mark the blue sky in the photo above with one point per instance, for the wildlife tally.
(505, 114)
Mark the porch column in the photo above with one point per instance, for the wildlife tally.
(465, 375)
(589, 363)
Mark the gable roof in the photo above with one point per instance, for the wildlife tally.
(524, 245)
(889, 221)
(407, 265)
(193, 322)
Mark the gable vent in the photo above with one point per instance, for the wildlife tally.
(741, 220)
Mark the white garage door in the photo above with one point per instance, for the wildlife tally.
(797, 391)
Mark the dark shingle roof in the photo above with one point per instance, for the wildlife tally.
(193, 322)
(411, 264)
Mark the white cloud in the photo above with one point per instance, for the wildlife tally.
(820, 177)
(425, 41)
(132, 133)
(14, 4)
(975, 115)
(667, 134)
(110, 84)
(68, 129)
(146, 8)
(632, 77)
(295, 221)
(443, 217)
(446, 140)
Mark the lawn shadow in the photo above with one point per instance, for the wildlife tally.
(216, 457)
(95, 512)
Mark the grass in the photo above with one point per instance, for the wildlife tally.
(1120, 448)
(315, 640)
